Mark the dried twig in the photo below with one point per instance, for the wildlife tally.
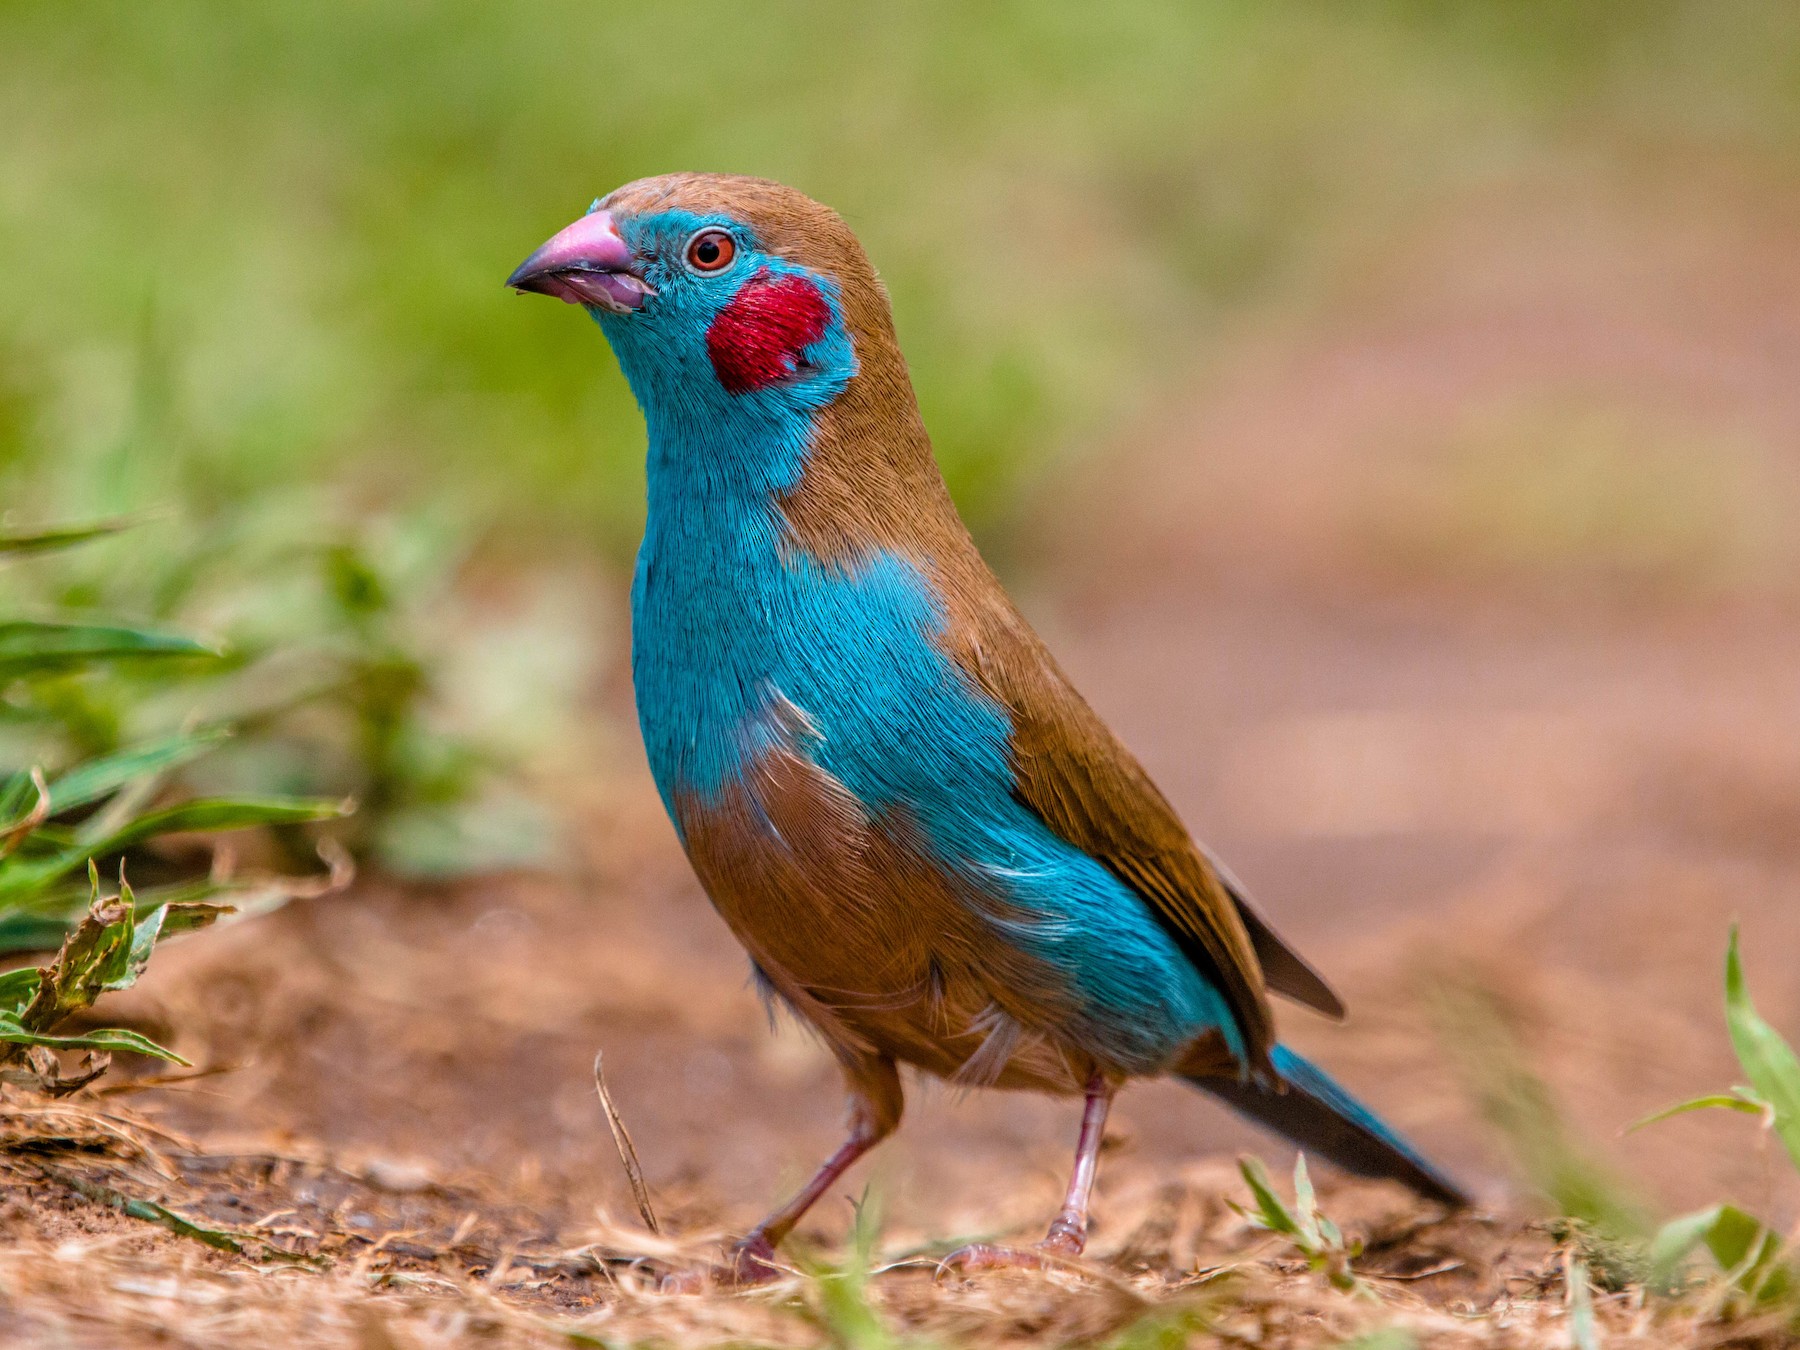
(640, 1193)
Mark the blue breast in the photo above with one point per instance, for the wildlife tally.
(728, 622)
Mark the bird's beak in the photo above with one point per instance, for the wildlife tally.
(585, 264)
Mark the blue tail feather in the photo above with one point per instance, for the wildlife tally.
(1325, 1120)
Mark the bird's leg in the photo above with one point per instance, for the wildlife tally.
(876, 1102)
(1068, 1230)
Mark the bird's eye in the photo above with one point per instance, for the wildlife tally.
(711, 251)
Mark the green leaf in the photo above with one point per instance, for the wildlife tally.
(18, 796)
(190, 916)
(1749, 1251)
(220, 813)
(41, 922)
(1305, 1207)
(17, 988)
(1675, 1241)
(30, 648)
(113, 969)
(1272, 1211)
(102, 777)
(1387, 1338)
(22, 880)
(18, 542)
(1767, 1059)
(22, 810)
(1738, 1099)
(1744, 1247)
(23, 931)
(139, 932)
(110, 1038)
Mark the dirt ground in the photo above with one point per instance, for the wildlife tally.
(1441, 735)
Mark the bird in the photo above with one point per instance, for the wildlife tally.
(934, 851)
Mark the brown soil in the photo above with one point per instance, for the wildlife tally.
(1441, 745)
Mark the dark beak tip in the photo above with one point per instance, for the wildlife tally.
(532, 279)
(523, 279)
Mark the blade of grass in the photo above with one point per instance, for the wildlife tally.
(1738, 1099)
(1584, 1331)
(1677, 1240)
(16, 543)
(17, 829)
(220, 813)
(1387, 1338)
(28, 647)
(1272, 1212)
(1749, 1252)
(21, 879)
(1768, 1060)
(1306, 1207)
(18, 987)
(112, 1038)
(102, 777)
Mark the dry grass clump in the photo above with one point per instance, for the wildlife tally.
(117, 1232)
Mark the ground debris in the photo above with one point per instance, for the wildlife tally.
(120, 1233)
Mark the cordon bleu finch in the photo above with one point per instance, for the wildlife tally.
(934, 851)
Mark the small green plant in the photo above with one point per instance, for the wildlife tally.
(54, 826)
(1318, 1240)
(1584, 1330)
(1748, 1251)
(835, 1299)
(107, 950)
(1173, 1325)
(352, 663)
(1384, 1338)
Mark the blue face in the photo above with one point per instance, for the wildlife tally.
(736, 348)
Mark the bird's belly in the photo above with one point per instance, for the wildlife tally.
(855, 929)
(860, 928)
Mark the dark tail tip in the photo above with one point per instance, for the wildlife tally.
(1323, 1119)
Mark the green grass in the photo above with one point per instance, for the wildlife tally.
(59, 819)
(253, 250)
(1721, 1257)
(1317, 1239)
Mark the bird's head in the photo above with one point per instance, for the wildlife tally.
(724, 297)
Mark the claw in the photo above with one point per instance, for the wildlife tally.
(1067, 1237)
(1058, 1249)
(750, 1262)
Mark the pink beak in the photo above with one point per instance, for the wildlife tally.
(585, 264)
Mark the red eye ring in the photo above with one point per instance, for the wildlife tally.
(711, 251)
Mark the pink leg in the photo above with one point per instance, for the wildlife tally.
(1068, 1230)
(875, 1106)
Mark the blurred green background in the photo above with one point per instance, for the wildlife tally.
(258, 248)
(251, 259)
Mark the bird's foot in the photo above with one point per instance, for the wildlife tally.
(749, 1262)
(1065, 1241)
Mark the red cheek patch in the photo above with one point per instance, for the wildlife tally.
(756, 340)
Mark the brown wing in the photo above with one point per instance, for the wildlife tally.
(1087, 787)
